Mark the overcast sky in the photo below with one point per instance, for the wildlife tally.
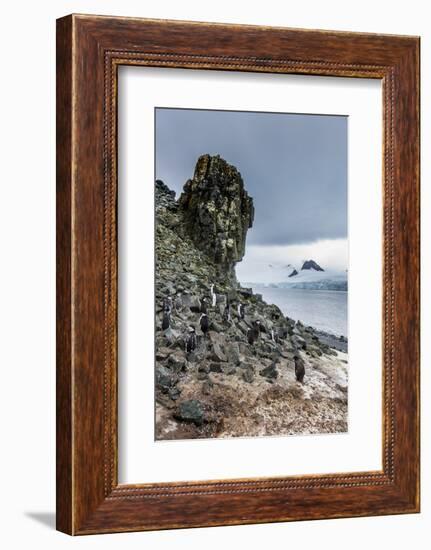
(294, 166)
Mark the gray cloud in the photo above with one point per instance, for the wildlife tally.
(294, 166)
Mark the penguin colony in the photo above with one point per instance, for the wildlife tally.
(253, 333)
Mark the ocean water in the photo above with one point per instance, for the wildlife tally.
(322, 309)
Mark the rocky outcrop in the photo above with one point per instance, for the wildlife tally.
(217, 212)
(220, 382)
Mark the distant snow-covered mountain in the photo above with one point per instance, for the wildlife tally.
(311, 265)
(310, 276)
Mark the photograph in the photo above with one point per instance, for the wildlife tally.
(251, 274)
(213, 290)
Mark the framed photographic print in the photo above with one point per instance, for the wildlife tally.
(237, 274)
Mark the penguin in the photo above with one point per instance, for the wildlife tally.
(191, 340)
(253, 333)
(226, 313)
(204, 307)
(166, 322)
(241, 311)
(204, 323)
(299, 369)
(272, 335)
(261, 327)
(213, 296)
(167, 304)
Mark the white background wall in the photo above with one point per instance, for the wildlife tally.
(27, 297)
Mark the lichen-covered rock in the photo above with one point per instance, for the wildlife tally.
(218, 353)
(165, 379)
(177, 361)
(232, 353)
(218, 211)
(190, 411)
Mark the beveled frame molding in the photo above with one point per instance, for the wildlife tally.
(89, 51)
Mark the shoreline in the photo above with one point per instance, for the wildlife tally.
(339, 343)
(336, 339)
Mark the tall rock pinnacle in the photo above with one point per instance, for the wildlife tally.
(218, 212)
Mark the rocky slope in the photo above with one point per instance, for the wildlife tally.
(238, 377)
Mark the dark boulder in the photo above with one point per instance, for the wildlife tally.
(190, 411)
(215, 367)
